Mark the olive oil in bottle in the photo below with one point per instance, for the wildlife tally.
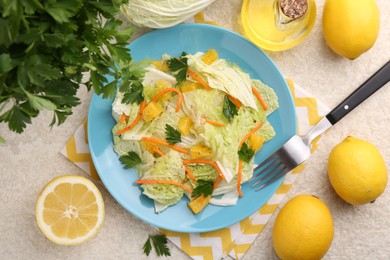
(277, 25)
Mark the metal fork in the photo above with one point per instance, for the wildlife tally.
(297, 149)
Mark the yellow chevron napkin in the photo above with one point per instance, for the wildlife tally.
(231, 241)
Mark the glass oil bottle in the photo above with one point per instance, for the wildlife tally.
(277, 25)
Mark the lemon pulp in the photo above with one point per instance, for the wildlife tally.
(69, 210)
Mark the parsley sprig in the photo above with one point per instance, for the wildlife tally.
(47, 48)
(131, 84)
(159, 243)
(130, 160)
(204, 188)
(133, 92)
(179, 66)
(245, 153)
(173, 136)
(229, 109)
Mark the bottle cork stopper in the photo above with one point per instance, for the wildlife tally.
(294, 8)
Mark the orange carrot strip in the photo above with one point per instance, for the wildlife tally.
(239, 173)
(216, 182)
(157, 151)
(123, 118)
(205, 161)
(168, 90)
(235, 101)
(136, 120)
(165, 182)
(246, 137)
(189, 173)
(164, 143)
(211, 122)
(258, 96)
(199, 79)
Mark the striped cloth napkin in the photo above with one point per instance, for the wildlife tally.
(231, 241)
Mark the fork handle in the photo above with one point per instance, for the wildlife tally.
(375, 82)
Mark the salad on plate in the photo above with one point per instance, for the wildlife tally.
(190, 126)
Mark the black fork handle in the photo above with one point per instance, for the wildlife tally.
(375, 82)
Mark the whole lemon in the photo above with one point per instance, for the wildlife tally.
(303, 229)
(357, 171)
(350, 27)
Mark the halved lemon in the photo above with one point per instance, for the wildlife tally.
(70, 210)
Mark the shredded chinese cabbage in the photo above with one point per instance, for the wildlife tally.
(198, 105)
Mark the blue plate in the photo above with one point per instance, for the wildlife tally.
(190, 38)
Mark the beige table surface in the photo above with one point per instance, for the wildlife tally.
(30, 160)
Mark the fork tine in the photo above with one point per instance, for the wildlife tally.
(267, 163)
(292, 153)
(269, 159)
(273, 179)
(266, 171)
(272, 172)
